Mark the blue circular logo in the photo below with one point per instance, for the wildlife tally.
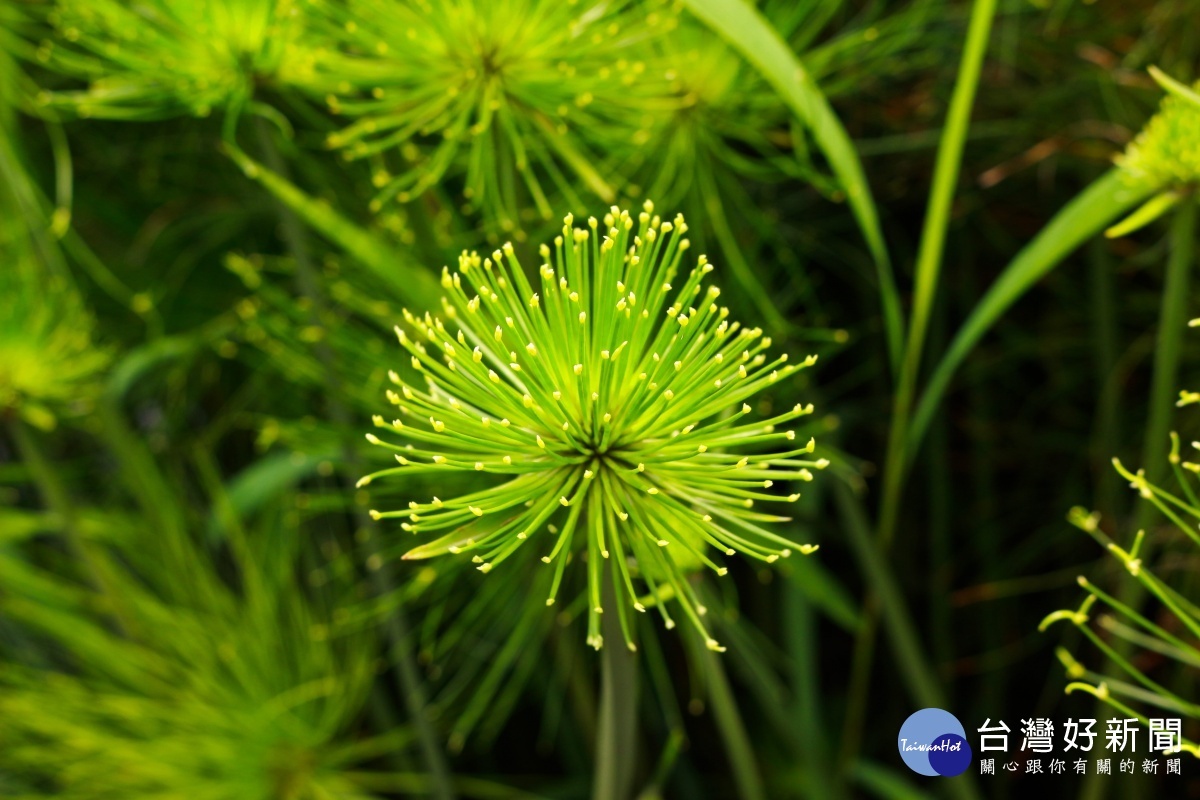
(933, 742)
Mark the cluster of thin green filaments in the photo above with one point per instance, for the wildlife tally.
(155, 59)
(510, 93)
(615, 405)
(1166, 153)
(1172, 634)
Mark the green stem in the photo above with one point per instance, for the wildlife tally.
(1171, 328)
(616, 751)
(928, 268)
(1171, 325)
(1104, 334)
(733, 731)
(1188, 709)
(914, 669)
(396, 627)
(1185, 651)
(860, 677)
(887, 594)
(803, 647)
(749, 32)
(1090, 212)
(929, 256)
(941, 540)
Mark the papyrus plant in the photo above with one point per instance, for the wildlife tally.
(166, 57)
(48, 359)
(170, 670)
(607, 414)
(511, 97)
(1165, 155)
(1120, 628)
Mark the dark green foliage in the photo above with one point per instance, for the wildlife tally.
(213, 214)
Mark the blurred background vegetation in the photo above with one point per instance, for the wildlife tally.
(212, 214)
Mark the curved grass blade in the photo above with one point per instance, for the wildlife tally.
(750, 33)
(1088, 214)
(1153, 208)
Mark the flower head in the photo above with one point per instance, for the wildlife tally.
(47, 355)
(166, 57)
(512, 96)
(613, 403)
(717, 110)
(1166, 154)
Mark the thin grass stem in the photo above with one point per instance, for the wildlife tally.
(928, 268)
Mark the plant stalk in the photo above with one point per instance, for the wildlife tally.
(1172, 322)
(910, 658)
(802, 645)
(616, 750)
(737, 742)
(928, 267)
(1172, 325)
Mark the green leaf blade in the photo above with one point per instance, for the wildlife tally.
(1091, 212)
(752, 35)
